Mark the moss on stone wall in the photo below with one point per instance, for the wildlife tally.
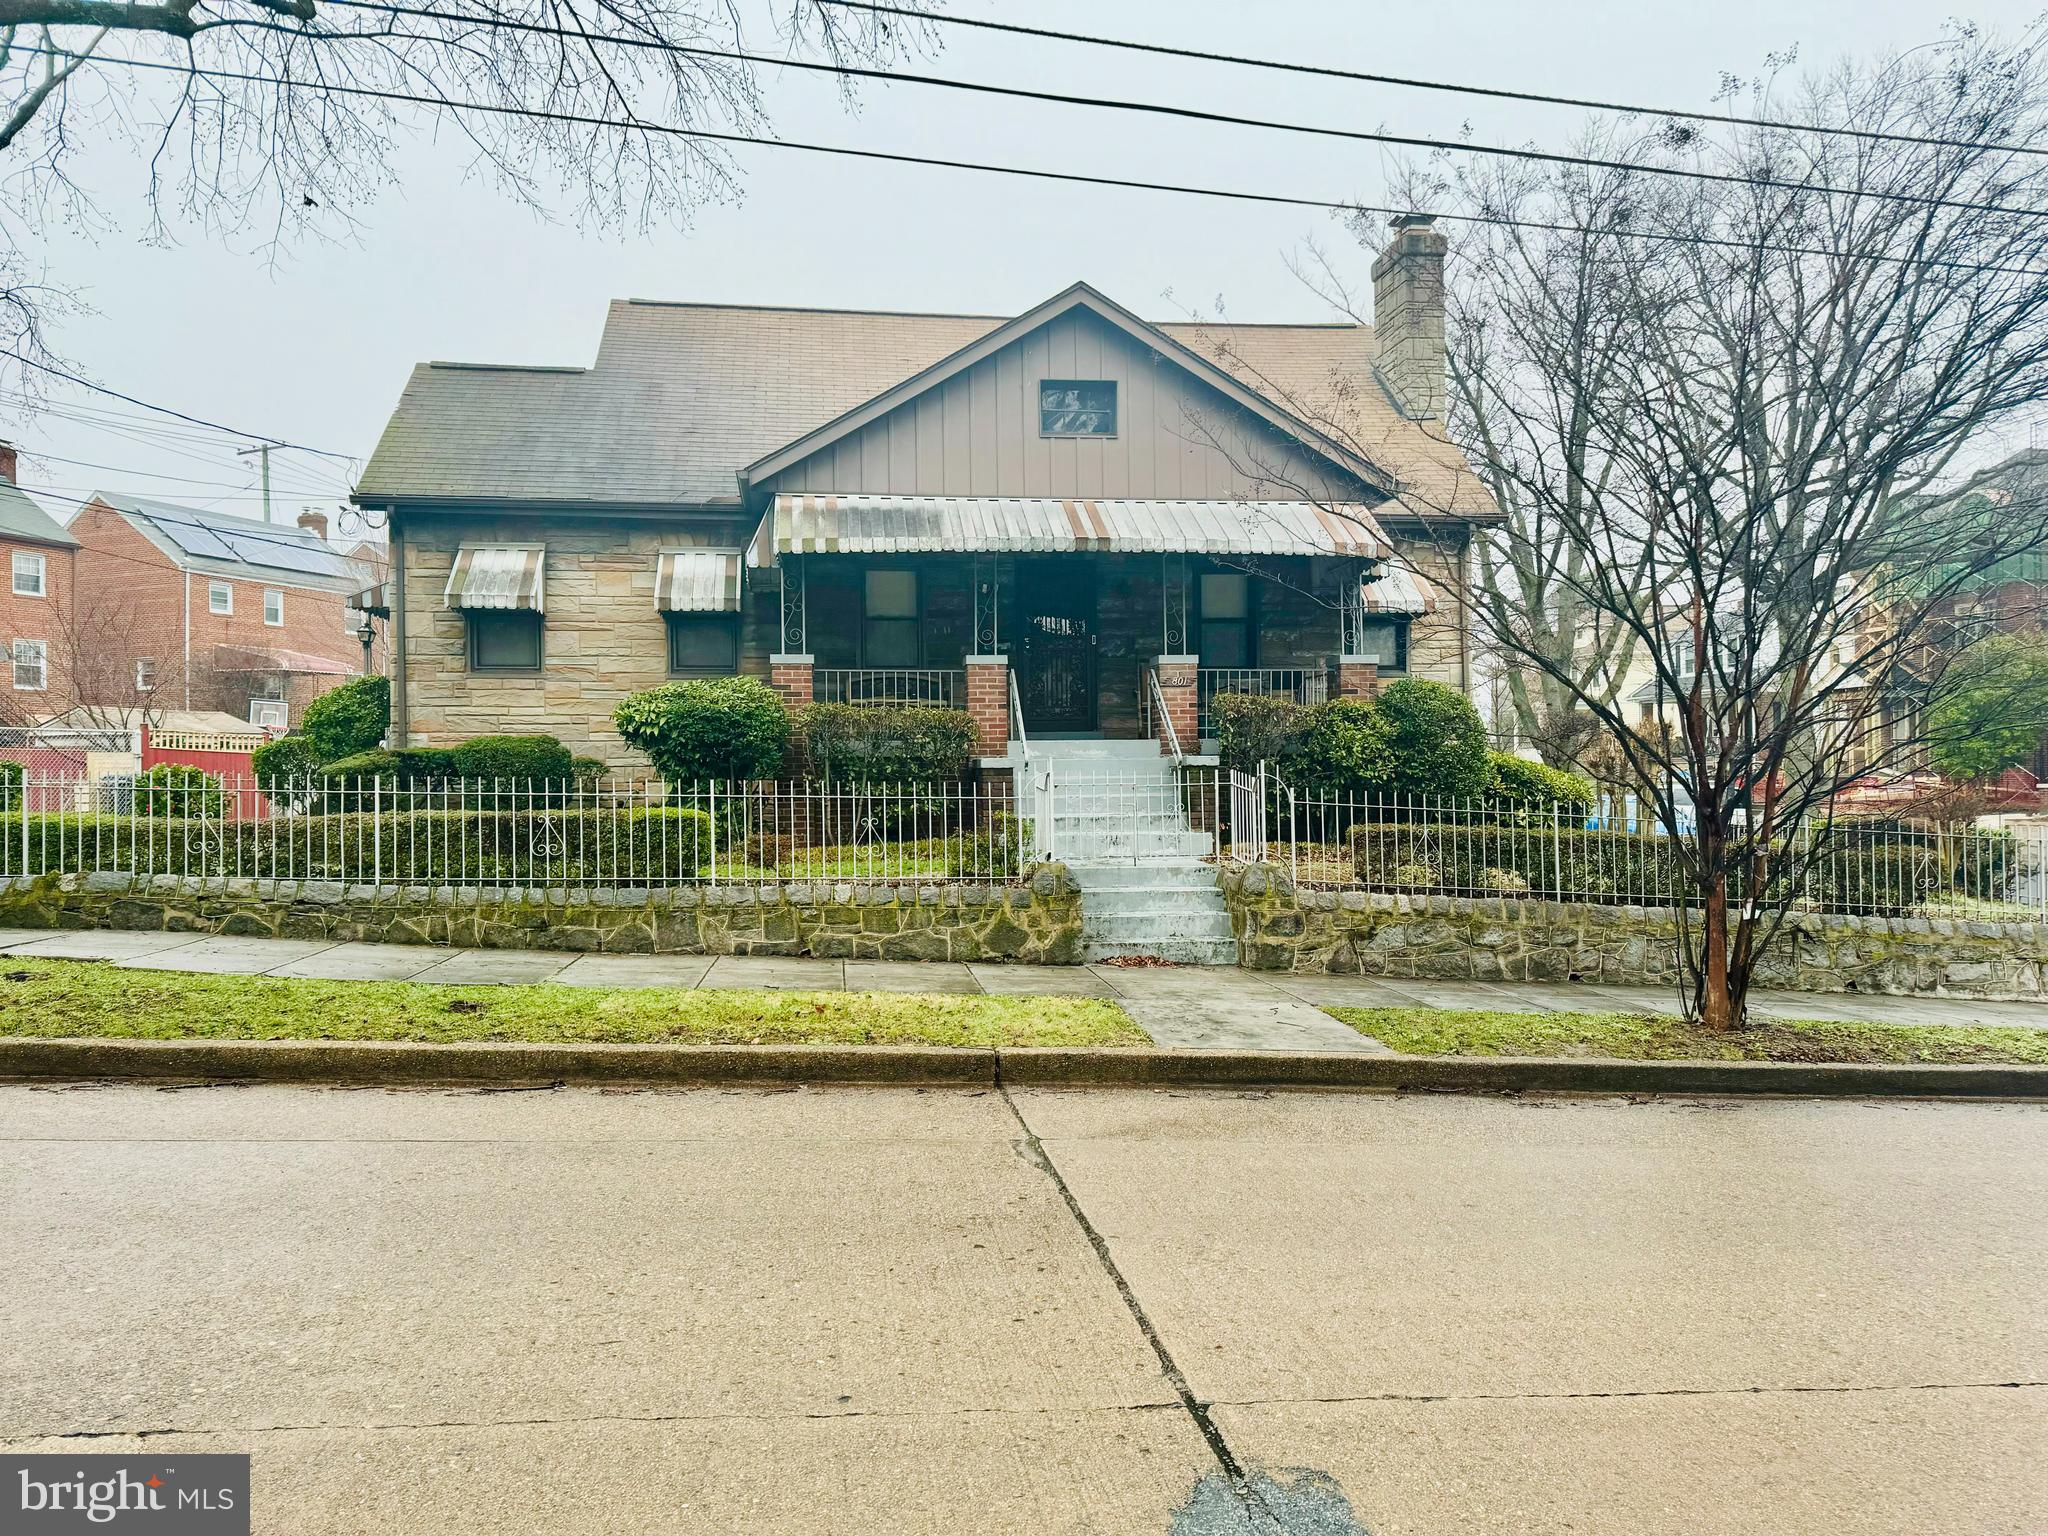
(1038, 921)
(1353, 933)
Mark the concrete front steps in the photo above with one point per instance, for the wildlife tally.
(1170, 909)
(1121, 827)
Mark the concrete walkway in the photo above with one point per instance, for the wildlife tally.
(1198, 1007)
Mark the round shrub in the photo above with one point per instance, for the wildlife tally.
(1254, 728)
(509, 757)
(347, 720)
(587, 770)
(179, 790)
(1435, 739)
(1344, 749)
(708, 728)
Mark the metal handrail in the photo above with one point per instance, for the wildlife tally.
(1158, 698)
(1017, 734)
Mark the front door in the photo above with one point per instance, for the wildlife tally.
(1056, 681)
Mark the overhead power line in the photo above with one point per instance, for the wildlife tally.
(1120, 183)
(1162, 109)
(1409, 82)
(149, 405)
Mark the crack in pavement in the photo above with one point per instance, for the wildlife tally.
(1565, 1397)
(593, 1418)
(1231, 1501)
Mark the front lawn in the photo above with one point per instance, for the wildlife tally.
(1646, 1037)
(71, 999)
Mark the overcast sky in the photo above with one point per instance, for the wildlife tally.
(316, 350)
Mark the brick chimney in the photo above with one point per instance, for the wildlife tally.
(317, 521)
(7, 462)
(1408, 316)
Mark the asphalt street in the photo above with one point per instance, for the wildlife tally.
(954, 1311)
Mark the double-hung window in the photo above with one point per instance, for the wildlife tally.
(220, 597)
(273, 607)
(889, 636)
(28, 574)
(32, 665)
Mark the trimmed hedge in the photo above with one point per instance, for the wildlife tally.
(886, 743)
(1534, 790)
(713, 728)
(1502, 859)
(417, 847)
(1417, 739)
(509, 757)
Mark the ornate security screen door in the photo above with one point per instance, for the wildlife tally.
(1057, 679)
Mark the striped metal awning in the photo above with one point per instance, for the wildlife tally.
(1393, 590)
(698, 581)
(890, 525)
(497, 576)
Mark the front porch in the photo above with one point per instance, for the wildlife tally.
(1057, 645)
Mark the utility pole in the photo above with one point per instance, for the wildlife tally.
(262, 449)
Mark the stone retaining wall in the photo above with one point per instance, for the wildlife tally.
(1037, 922)
(1351, 933)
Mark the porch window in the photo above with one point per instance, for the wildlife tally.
(503, 640)
(703, 644)
(889, 635)
(1226, 608)
(1077, 408)
(1384, 642)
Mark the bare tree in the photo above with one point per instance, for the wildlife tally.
(285, 116)
(1723, 405)
(104, 673)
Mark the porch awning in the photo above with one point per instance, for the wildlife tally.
(497, 576)
(1393, 590)
(895, 525)
(698, 581)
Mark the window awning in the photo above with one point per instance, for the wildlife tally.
(891, 525)
(698, 581)
(497, 576)
(1393, 590)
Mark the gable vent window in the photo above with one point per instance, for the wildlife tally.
(1077, 408)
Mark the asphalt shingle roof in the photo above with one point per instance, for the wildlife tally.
(683, 396)
(22, 518)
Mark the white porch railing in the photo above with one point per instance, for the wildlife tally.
(939, 687)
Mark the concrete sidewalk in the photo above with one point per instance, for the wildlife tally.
(1199, 1007)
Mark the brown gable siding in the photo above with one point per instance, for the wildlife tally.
(976, 434)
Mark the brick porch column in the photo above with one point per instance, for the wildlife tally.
(790, 676)
(1357, 678)
(988, 704)
(1177, 686)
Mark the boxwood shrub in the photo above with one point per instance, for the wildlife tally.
(1534, 791)
(347, 720)
(713, 728)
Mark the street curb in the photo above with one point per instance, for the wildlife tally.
(485, 1063)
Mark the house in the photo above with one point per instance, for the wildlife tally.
(37, 555)
(195, 609)
(1070, 521)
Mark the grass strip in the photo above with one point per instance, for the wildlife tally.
(71, 999)
(1649, 1037)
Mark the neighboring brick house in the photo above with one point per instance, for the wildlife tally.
(36, 561)
(1109, 519)
(210, 611)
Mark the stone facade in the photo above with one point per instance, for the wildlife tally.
(1352, 933)
(1036, 922)
(601, 636)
